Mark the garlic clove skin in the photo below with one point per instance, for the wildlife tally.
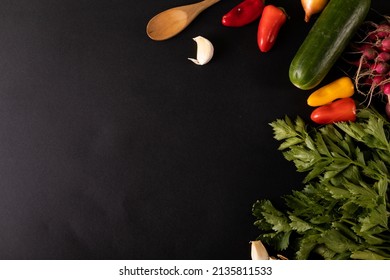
(258, 251)
(205, 51)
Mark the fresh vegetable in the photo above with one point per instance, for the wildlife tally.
(385, 45)
(244, 13)
(205, 51)
(258, 251)
(270, 23)
(340, 88)
(371, 55)
(312, 7)
(325, 42)
(386, 92)
(341, 110)
(343, 210)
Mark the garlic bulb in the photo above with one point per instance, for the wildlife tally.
(205, 51)
(312, 7)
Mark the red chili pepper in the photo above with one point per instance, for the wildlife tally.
(270, 23)
(341, 110)
(244, 13)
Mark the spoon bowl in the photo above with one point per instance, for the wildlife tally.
(171, 22)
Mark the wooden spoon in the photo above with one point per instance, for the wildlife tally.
(169, 23)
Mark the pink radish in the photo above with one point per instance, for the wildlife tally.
(387, 109)
(383, 56)
(386, 89)
(377, 80)
(372, 76)
(381, 31)
(385, 44)
(380, 67)
(370, 53)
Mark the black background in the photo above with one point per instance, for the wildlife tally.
(114, 146)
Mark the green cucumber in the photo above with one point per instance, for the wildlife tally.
(326, 40)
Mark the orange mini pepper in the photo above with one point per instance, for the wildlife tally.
(340, 88)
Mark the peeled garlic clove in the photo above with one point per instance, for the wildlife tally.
(205, 51)
(258, 251)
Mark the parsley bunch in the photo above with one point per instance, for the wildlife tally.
(343, 210)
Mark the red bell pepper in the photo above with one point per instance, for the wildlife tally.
(341, 110)
(270, 23)
(244, 13)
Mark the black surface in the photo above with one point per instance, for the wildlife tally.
(114, 146)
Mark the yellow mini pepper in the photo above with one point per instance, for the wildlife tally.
(340, 88)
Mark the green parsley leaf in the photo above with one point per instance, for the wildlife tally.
(343, 210)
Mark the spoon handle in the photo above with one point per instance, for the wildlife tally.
(208, 3)
(203, 5)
